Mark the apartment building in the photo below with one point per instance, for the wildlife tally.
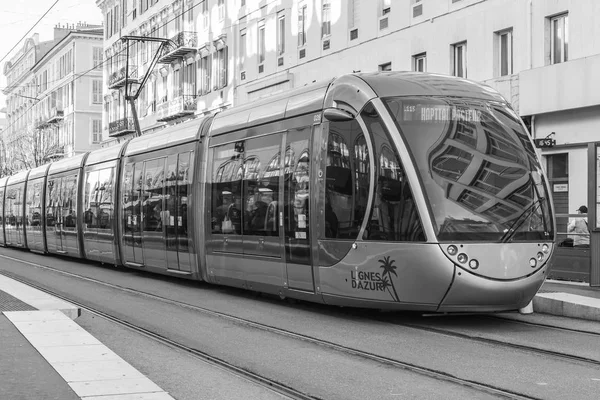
(539, 54)
(54, 97)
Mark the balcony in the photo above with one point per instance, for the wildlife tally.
(121, 127)
(178, 107)
(180, 45)
(41, 122)
(118, 79)
(57, 114)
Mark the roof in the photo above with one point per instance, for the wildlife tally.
(387, 84)
(170, 136)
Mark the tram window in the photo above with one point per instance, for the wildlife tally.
(394, 216)
(226, 189)
(90, 216)
(184, 182)
(262, 169)
(34, 203)
(127, 199)
(52, 189)
(69, 195)
(297, 197)
(1, 208)
(105, 203)
(153, 195)
(347, 180)
(171, 201)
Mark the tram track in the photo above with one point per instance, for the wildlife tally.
(283, 389)
(515, 346)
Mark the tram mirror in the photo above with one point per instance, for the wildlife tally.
(335, 114)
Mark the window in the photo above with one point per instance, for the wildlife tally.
(460, 60)
(417, 8)
(227, 189)
(221, 61)
(385, 7)
(353, 13)
(385, 67)
(189, 81)
(261, 42)
(97, 61)
(96, 91)
(262, 169)
(347, 180)
(281, 35)
(326, 18)
(504, 53)
(96, 130)
(221, 7)
(189, 19)
(559, 39)
(242, 49)
(204, 11)
(205, 74)
(394, 215)
(420, 62)
(153, 195)
(302, 26)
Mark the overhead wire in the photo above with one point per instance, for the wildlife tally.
(30, 29)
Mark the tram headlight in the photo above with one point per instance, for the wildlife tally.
(545, 249)
(540, 256)
(462, 258)
(474, 264)
(532, 262)
(452, 250)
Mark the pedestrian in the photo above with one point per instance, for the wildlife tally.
(579, 227)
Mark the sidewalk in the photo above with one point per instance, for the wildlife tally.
(568, 299)
(46, 355)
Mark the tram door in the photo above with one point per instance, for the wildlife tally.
(131, 203)
(68, 225)
(154, 215)
(177, 186)
(297, 195)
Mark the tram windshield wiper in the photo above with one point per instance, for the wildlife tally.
(524, 216)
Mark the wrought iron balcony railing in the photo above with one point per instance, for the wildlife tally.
(118, 79)
(57, 114)
(180, 45)
(121, 127)
(176, 108)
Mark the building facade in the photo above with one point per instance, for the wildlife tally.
(539, 54)
(54, 97)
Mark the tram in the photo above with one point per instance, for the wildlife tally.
(390, 190)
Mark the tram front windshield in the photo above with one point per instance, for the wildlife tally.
(480, 172)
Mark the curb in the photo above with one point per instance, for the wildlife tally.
(36, 298)
(567, 305)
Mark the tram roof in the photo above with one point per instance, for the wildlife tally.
(67, 164)
(289, 104)
(172, 135)
(38, 172)
(17, 178)
(111, 153)
(389, 84)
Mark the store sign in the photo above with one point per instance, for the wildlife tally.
(560, 187)
(544, 143)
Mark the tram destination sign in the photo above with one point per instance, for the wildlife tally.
(544, 143)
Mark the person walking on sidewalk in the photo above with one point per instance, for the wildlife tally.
(579, 227)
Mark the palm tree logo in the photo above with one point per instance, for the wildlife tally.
(388, 269)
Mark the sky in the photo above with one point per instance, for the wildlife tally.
(18, 16)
